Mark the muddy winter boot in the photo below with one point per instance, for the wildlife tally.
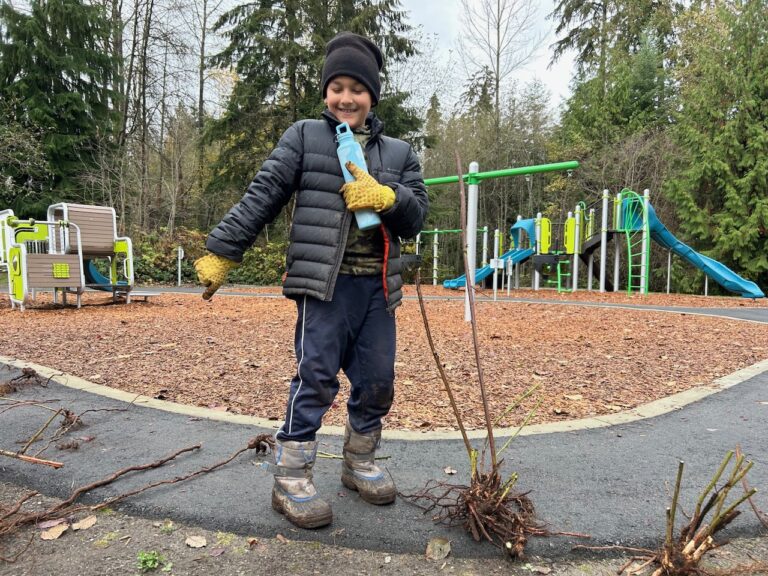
(294, 493)
(359, 471)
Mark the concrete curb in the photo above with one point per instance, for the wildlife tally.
(656, 408)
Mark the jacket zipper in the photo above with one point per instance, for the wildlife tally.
(345, 225)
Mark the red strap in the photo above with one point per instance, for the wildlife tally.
(386, 260)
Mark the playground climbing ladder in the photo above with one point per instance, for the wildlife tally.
(633, 222)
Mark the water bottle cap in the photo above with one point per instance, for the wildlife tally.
(343, 128)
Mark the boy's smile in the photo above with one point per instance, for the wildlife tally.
(348, 100)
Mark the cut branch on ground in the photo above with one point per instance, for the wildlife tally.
(14, 517)
(682, 556)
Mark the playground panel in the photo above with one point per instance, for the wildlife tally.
(57, 253)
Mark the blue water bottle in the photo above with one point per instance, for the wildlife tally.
(349, 150)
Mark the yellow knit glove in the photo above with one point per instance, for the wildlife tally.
(212, 272)
(365, 192)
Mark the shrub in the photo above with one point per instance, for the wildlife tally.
(155, 259)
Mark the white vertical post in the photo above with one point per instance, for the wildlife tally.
(434, 257)
(495, 261)
(576, 250)
(179, 257)
(603, 243)
(644, 264)
(706, 285)
(516, 268)
(538, 248)
(484, 261)
(617, 256)
(508, 271)
(669, 269)
(503, 264)
(472, 195)
(418, 243)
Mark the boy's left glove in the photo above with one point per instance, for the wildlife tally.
(365, 192)
(212, 271)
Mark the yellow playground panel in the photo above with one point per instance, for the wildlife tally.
(58, 253)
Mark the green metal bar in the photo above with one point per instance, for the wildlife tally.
(521, 171)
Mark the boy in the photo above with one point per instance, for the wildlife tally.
(346, 282)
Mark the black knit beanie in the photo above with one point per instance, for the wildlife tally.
(349, 54)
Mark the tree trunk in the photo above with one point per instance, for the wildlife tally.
(201, 101)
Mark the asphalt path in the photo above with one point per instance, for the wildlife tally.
(612, 483)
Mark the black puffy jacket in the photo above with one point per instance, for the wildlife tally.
(305, 162)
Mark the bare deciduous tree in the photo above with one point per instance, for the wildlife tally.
(500, 35)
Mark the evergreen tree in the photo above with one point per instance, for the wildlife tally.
(722, 192)
(23, 166)
(588, 31)
(434, 123)
(56, 71)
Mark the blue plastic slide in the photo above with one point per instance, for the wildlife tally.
(96, 280)
(720, 273)
(515, 256)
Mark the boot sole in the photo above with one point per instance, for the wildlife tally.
(380, 500)
(318, 522)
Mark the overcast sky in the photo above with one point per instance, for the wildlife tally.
(444, 18)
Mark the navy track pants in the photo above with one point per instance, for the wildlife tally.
(353, 332)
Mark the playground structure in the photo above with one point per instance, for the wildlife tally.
(585, 234)
(61, 253)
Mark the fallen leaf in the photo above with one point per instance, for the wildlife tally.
(217, 552)
(51, 523)
(387, 559)
(438, 548)
(55, 532)
(574, 397)
(85, 523)
(541, 569)
(282, 539)
(196, 541)
(449, 470)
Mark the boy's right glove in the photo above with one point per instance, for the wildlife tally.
(365, 192)
(212, 271)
